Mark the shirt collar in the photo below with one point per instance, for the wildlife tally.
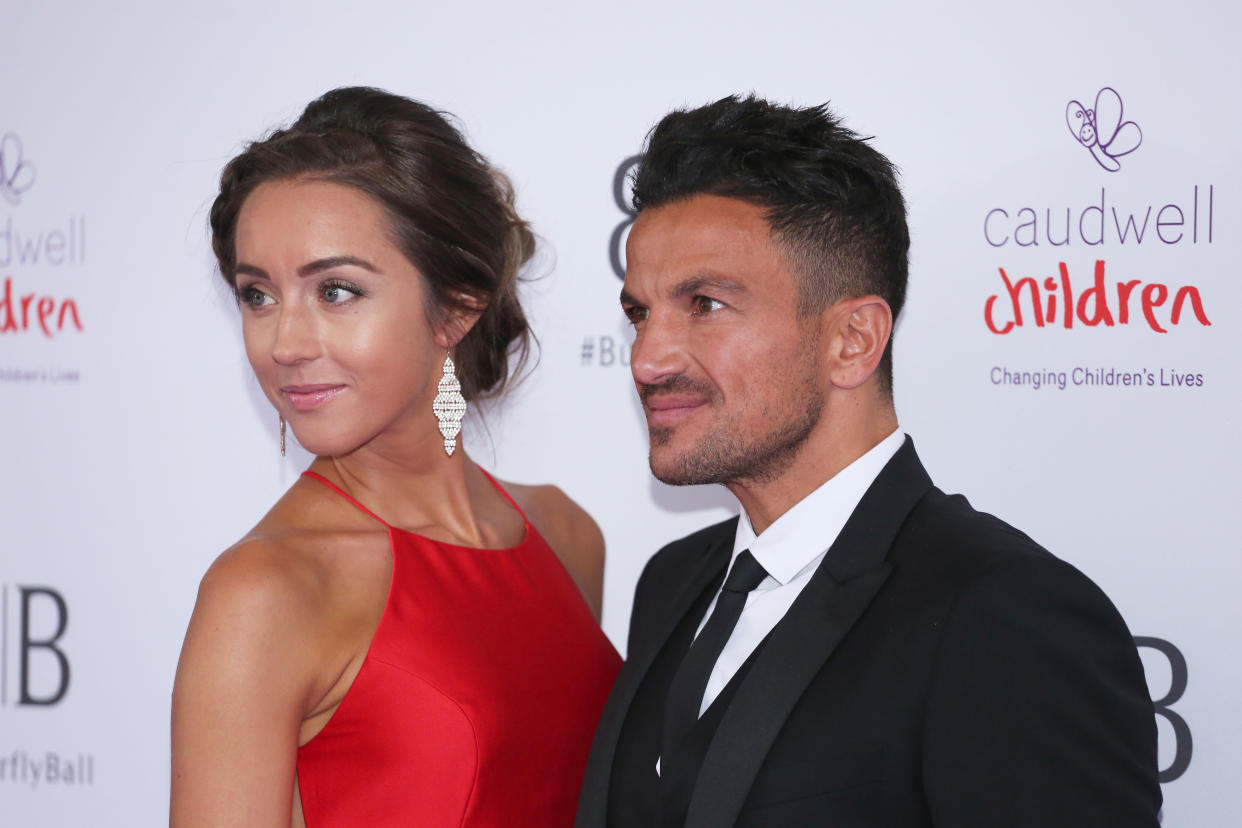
(800, 536)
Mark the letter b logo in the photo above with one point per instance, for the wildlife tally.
(1183, 744)
(42, 666)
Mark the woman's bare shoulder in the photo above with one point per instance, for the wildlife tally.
(263, 567)
(255, 603)
(570, 531)
(282, 581)
(276, 562)
(258, 653)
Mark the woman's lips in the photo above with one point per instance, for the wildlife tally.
(307, 397)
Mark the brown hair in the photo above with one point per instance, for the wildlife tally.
(450, 212)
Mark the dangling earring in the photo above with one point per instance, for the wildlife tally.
(282, 435)
(449, 406)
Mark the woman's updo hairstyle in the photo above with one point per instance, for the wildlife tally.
(451, 214)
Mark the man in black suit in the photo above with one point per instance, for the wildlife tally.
(879, 654)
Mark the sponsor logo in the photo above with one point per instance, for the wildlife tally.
(622, 196)
(48, 769)
(22, 311)
(1030, 295)
(16, 173)
(35, 673)
(27, 248)
(1188, 220)
(1094, 377)
(1102, 129)
(1179, 677)
(604, 352)
(34, 664)
(1097, 305)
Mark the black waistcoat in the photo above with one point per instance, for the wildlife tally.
(637, 796)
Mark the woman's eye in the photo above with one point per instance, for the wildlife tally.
(336, 293)
(254, 297)
(706, 304)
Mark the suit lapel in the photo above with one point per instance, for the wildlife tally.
(836, 596)
(593, 804)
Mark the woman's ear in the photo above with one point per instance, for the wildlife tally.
(859, 330)
(457, 321)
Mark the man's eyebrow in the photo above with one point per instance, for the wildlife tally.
(627, 298)
(698, 284)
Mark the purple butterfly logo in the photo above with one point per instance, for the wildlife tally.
(1102, 129)
(16, 175)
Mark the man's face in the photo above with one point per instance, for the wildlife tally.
(728, 374)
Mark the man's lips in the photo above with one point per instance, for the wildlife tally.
(666, 409)
(307, 397)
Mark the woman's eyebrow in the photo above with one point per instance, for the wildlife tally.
(319, 265)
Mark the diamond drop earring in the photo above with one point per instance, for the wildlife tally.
(282, 435)
(449, 406)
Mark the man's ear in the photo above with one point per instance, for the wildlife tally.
(858, 332)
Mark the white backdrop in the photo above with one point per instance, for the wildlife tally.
(136, 446)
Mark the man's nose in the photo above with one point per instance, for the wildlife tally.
(659, 350)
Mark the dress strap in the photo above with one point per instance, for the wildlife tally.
(325, 481)
(505, 494)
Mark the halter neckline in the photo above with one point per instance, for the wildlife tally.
(526, 528)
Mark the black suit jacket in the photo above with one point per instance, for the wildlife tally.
(939, 669)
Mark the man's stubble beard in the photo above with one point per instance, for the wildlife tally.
(716, 459)
(725, 458)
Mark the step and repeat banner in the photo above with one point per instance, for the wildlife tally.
(1068, 357)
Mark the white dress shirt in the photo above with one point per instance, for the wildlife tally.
(791, 549)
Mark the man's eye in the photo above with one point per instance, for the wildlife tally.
(706, 304)
(635, 314)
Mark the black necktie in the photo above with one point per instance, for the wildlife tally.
(685, 693)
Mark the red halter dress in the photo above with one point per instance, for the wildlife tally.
(478, 698)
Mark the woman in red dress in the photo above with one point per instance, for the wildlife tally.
(401, 640)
